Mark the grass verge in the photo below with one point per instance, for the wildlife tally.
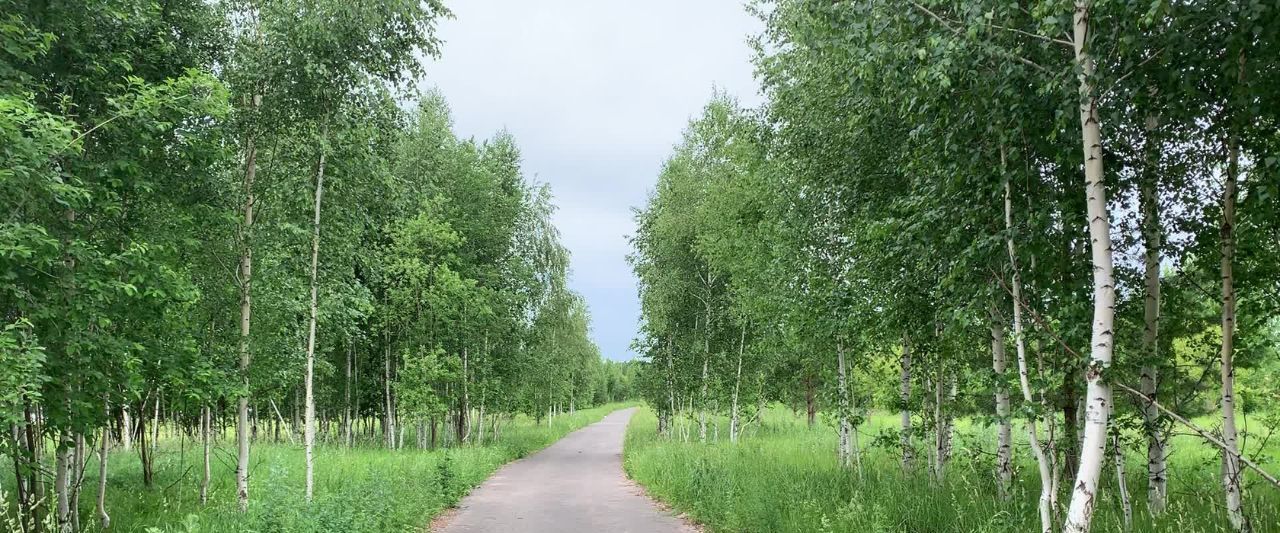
(357, 490)
(784, 477)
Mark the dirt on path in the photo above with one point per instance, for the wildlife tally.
(576, 484)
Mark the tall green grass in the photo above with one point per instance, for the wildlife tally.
(784, 477)
(357, 490)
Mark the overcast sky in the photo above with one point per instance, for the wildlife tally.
(596, 93)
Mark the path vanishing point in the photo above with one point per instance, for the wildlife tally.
(574, 485)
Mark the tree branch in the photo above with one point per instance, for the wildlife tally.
(1201, 432)
(1151, 401)
(947, 25)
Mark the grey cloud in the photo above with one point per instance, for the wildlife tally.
(596, 93)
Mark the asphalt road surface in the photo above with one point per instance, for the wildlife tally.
(576, 484)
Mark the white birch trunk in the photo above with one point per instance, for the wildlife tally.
(346, 418)
(78, 470)
(126, 430)
(309, 418)
(737, 384)
(62, 484)
(854, 447)
(1043, 461)
(1122, 486)
(246, 308)
(104, 519)
(671, 383)
(1231, 471)
(938, 454)
(904, 397)
(843, 396)
(206, 426)
(1149, 377)
(466, 401)
(1004, 431)
(388, 419)
(702, 420)
(1098, 392)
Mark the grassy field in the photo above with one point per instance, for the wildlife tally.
(357, 490)
(784, 477)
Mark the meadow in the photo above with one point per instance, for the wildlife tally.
(363, 489)
(784, 477)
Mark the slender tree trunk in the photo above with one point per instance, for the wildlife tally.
(20, 481)
(1071, 422)
(346, 403)
(355, 401)
(904, 398)
(78, 465)
(155, 421)
(62, 482)
(854, 447)
(1050, 420)
(206, 426)
(1098, 392)
(761, 404)
(387, 418)
(737, 384)
(1122, 486)
(671, 379)
(246, 306)
(843, 397)
(463, 429)
(1231, 472)
(126, 428)
(810, 400)
(702, 421)
(309, 428)
(1004, 431)
(279, 419)
(104, 519)
(1043, 462)
(145, 451)
(928, 414)
(706, 360)
(34, 452)
(942, 425)
(1149, 378)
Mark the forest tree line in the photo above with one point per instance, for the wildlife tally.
(1057, 218)
(242, 218)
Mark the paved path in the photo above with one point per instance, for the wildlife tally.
(576, 484)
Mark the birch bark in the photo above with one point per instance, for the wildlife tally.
(737, 385)
(1043, 462)
(1098, 392)
(843, 397)
(104, 446)
(1149, 375)
(246, 313)
(1122, 486)
(1231, 471)
(206, 427)
(1004, 431)
(904, 398)
(309, 429)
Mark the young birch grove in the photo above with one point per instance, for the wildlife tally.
(239, 223)
(1072, 185)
